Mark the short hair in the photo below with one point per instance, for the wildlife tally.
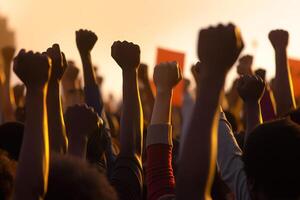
(7, 175)
(72, 178)
(272, 159)
(11, 137)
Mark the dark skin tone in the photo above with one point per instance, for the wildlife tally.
(57, 131)
(195, 176)
(127, 55)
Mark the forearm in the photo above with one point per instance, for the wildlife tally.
(202, 134)
(132, 117)
(56, 125)
(253, 117)
(284, 94)
(88, 72)
(34, 156)
(162, 108)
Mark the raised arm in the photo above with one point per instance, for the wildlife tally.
(127, 55)
(160, 178)
(8, 100)
(283, 87)
(81, 122)
(85, 41)
(33, 165)
(146, 93)
(251, 89)
(57, 131)
(218, 49)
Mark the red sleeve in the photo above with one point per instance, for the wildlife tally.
(159, 173)
(267, 108)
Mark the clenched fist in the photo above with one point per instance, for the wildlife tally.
(251, 88)
(126, 54)
(81, 121)
(166, 76)
(245, 64)
(219, 48)
(279, 39)
(32, 68)
(85, 41)
(59, 63)
(196, 71)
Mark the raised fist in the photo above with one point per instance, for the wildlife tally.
(166, 76)
(261, 73)
(32, 68)
(251, 88)
(143, 72)
(59, 63)
(126, 54)
(279, 39)
(85, 41)
(245, 64)
(71, 72)
(8, 54)
(196, 72)
(219, 47)
(81, 121)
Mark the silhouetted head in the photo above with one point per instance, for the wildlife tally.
(272, 160)
(72, 178)
(7, 176)
(11, 136)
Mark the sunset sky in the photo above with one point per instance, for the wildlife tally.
(170, 24)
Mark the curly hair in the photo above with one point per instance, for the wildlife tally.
(72, 178)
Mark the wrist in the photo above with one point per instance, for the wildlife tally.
(129, 71)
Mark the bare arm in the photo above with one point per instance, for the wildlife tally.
(251, 89)
(56, 125)
(160, 177)
(33, 167)
(218, 49)
(283, 90)
(146, 93)
(127, 55)
(8, 100)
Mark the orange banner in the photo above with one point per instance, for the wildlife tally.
(164, 55)
(295, 74)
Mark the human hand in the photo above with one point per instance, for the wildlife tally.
(219, 47)
(245, 64)
(143, 72)
(32, 68)
(251, 88)
(126, 54)
(81, 121)
(196, 72)
(59, 63)
(85, 41)
(166, 76)
(71, 72)
(261, 73)
(279, 39)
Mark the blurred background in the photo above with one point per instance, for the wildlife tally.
(169, 24)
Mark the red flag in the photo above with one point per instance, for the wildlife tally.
(164, 55)
(295, 74)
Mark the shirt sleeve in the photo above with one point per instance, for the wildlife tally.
(159, 173)
(127, 178)
(229, 161)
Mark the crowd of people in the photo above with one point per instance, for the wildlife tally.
(59, 140)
